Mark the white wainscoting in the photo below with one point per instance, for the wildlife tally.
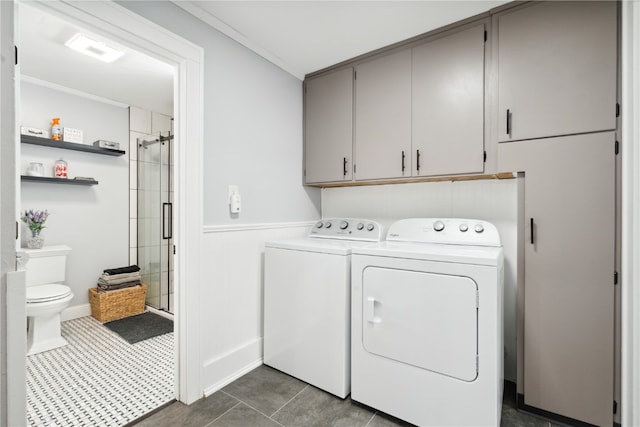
(231, 297)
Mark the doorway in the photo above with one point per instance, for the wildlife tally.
(115, 22)
(104, 241)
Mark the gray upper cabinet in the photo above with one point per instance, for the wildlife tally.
(448, 104)
(556, 69)
(328, 127)
(383, 117)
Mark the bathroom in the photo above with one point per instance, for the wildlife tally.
(119, 220)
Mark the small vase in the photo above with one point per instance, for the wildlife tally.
(35, 242)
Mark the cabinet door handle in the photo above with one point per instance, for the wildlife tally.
(344, 166)
(508, 122)
(403, 161)
(532, 232)
(418, 160)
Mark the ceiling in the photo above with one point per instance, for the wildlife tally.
(306, 36)
(134, 79)
(298, 36)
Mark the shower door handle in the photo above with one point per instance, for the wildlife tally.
(167, 226)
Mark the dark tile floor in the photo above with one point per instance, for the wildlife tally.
(266, 397)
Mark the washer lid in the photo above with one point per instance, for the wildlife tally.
(42, 293)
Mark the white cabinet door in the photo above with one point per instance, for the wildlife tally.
(569, 191)
(448, 104)
(557, 69)
(383, 117)
(328, 127)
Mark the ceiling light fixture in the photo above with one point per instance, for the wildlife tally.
(93, 48)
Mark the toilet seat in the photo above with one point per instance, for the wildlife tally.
(46, 293)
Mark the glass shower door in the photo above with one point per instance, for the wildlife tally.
(155, 219)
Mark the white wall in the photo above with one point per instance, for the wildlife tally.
(92, 220)
(253, 139)
(495, 201)
(252, 126)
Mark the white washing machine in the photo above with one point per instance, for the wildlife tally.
(307, 302)
(427, 331)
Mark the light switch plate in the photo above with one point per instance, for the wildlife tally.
(233, 189)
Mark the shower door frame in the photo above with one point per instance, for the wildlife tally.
(164, 216)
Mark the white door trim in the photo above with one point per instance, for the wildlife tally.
(129, 29)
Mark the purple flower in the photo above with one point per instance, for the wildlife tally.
(35, 220)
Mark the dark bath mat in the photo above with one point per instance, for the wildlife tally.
(141, 327)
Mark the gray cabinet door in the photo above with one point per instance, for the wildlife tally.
(569, 198)
(557, 69)
(383, 117)
(328, 127)
(448, 104)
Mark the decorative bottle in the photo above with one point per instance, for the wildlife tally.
(56, 129)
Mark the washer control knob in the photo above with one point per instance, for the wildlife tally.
(479, 228)
(370, 227)
(319, 224)
(360, 226)
(438, 225)
(344, 225)
(327, 224)
(464, 227)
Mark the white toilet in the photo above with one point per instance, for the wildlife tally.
(46, 296)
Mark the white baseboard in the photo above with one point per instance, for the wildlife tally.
(76, 312)
(238, 361)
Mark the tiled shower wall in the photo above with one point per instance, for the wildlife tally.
(147, 124)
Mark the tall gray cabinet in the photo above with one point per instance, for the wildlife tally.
(556, 71)
(569, 247)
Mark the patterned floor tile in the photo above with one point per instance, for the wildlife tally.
(98, 379)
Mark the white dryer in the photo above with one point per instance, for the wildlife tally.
(427, 330)
(307, 302)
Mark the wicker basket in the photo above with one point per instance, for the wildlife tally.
(113, 305)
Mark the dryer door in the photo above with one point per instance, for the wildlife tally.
(427, 320)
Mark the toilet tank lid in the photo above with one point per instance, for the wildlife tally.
(45, 251)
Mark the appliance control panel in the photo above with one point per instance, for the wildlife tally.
(347, 229)
(451, 231)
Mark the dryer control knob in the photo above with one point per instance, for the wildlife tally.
(370, 227)
(464, 228)
(344, 225)
(478, 228)
(360, 226)
(319, 224)
(328, 224)
(438, 225)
